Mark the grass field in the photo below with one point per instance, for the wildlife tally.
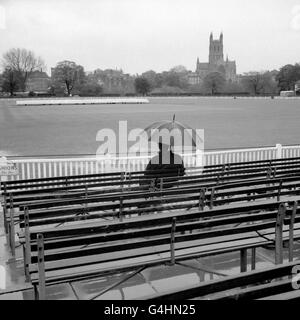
(66, 130)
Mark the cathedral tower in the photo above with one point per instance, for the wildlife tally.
(216, 55)
(216, 63)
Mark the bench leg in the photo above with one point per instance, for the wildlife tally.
(243, 255)
(26, 246)
(12, 233)
(172, 243)
(253, 258)
(8, 235)
(41, 268)
(26, 266)
(36, 292)
(5, 218)
(279, 234)
(291, 232)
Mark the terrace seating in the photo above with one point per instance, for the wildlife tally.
(95, 224)
(90, 250)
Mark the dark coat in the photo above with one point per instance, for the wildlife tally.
(163, 166)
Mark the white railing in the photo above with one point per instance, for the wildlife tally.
(33, 168)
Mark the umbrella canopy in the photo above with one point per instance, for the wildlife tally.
(175, 134)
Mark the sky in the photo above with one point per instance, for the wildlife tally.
(141, 35)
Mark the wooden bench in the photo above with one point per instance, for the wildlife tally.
(88, 251)
(268, 283)
(126, 203)
(14, 197)
(69, 180)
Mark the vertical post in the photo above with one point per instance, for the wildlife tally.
(278, 234)
(223, 168)
(122, 181)
(269, 173)
(36, 292)
(253, 258)
(291, 232)
(161, 184)
(172, 244)
(152, 185)
(243, 260)
(278, 151)
(129, 181)
(41, 267)
(218, 178)
(27, 247)
(12, 226)
(279, 190)
(212, 196)
(228, 167)
(202, 199)
(274, 173)
(121, 209)
(86, 200)
(178, 174)
(4, 207)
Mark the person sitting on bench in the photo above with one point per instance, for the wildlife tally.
(165, 164)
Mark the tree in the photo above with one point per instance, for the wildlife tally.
(91, 87)
(151, 77)
(257, 82)
(171, 79)
(288, 76)
(233, 88)
(10, 81)
(69, 75)
(179, 69)
(22, 62)
(142, 85)
(214, 82)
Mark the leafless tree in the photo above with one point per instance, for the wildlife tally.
(23, 62)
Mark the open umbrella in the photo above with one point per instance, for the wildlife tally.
(174, 134)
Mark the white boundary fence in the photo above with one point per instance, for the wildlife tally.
(32, 168)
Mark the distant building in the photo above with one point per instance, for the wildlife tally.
(216, 63)
(114, 81)
(38, 81)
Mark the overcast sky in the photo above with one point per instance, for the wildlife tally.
(139, 35)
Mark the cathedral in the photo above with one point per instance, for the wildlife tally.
(216, 63)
